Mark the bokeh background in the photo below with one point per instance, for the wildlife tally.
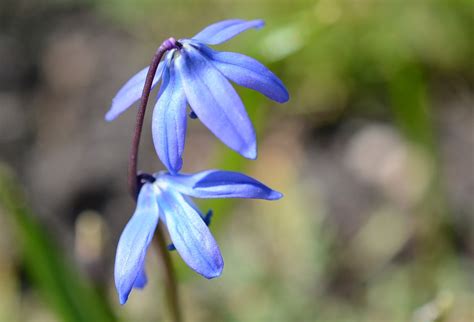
(374, 153)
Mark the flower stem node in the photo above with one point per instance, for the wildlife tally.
(169, 44)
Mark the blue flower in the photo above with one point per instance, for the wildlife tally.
(168, 199)
(194, 74)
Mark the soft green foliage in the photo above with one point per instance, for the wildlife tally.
(68, 293)
(379, 61)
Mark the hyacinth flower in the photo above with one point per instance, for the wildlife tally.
(166, 197)
(193, 74)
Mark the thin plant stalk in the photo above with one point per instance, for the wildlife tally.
(133, 178)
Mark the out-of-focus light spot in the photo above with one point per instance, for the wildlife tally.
(435, 310)
(89, 239)
(283, 42)
(381, 237)
(379, 156)
(327, 11)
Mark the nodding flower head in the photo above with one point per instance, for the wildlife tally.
(194, 74)
(167, 198)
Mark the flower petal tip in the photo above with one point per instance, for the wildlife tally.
(250, 152)
(214, 273)
(123, 298)
(285, 98)
(109, 117)
(260, 23)
(275, 195)
(212, 276)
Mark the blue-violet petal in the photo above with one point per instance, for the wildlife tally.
(190, 235)
(220, 184)
(222, 31)
(141, 280)
(247, 72)
(134, 242)
(215, 102)
(169, 121)
(131, 92)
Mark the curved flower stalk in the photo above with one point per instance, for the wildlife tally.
(167, 199)
(194, 74)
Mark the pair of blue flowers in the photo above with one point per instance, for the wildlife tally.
(193, 74)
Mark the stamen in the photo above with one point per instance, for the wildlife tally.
(207, 217)
(193, 115)
(145, 177)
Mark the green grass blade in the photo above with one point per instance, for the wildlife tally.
(68, 294)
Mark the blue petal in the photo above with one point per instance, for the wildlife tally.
(141, 280)
(190, 235)
(131, 92)
(222, 31)
(248, 72)
(169, 121)
(215, 102)
(220, 184)
(206, 218)
(134, 242)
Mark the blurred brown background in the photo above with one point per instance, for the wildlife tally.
(374, 153)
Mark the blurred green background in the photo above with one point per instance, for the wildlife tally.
(374, 153)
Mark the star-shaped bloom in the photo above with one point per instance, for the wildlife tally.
(194, 74)
(168, 199)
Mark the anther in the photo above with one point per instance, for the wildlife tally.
(192, 115)
(145, 177)
(207, 217)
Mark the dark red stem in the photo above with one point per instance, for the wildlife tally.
(133, 160)
(134, 177)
